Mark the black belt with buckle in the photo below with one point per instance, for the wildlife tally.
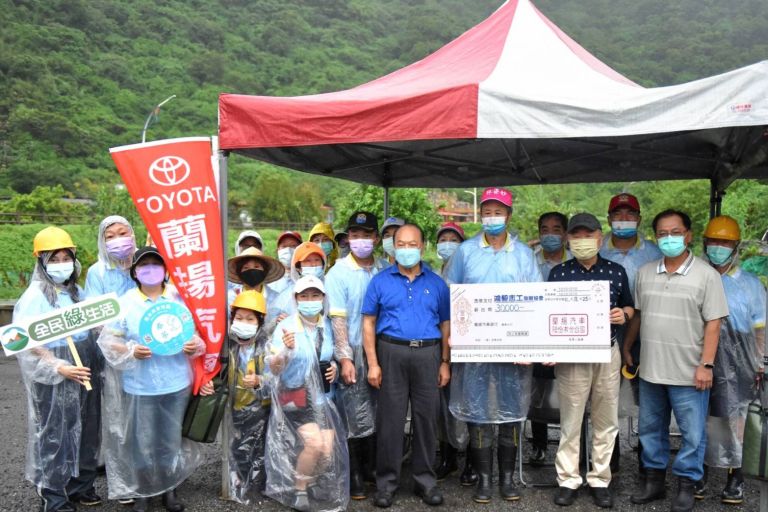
(409, 343)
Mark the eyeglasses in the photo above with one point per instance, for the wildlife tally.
(675, 232)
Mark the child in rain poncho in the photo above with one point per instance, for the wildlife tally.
(249, 399)
(146, 395)
(64, 421)
(307, 461)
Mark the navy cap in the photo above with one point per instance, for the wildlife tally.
(363, 220)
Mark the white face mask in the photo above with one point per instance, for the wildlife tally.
(243, 330)
(60, 272)
(285, 255)
(388, 244)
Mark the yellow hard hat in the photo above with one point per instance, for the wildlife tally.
(250, 299)
(723, 228)
(51, 239)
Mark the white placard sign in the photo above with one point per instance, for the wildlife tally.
(564, 322)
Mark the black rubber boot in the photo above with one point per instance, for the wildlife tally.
(507, 455)
(171, 502)
(446, 464)
(733, 494)
(356, 484)
(368, 461)
(468, 477)
(653, 489)
(700, 489)
(483, 463)
(684, 500)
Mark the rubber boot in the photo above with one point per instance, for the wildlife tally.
(356, 484)
(507, 455)
(684, 500)
(171, 502)
(700, 489)
(733, 494)
(468, 477)
(653, 489)
(446, 464)
(368, 461)
(483, 463)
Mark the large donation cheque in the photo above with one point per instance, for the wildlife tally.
(562, 322)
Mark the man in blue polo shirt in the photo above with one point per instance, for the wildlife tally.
(579, 383)
(406, 315)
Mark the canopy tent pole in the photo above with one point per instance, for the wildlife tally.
(223, 171)
(715, 199)
(386, 182)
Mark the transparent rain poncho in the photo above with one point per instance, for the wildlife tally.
(143, 408)
(739, 355)
(108, 274)
(491, 392)
(306, 444)
(346, 284)
(63, 418)
(246, 420)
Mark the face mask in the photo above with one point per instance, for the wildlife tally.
(361, 247)
(285, 255)
(624, 228)
(150, 275)
(446, 249)
(719, 255)
(583, 248)
(60, 272)
(318, 272)
(494, 225)
(253, 277)
(121, 248)
(551, 243)
(672, 246)
(344, 251)
(408, 257)
(243, 330)
(388, 244)
(310, 307)
(327, 247)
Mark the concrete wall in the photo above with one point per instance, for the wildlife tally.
(6, 311)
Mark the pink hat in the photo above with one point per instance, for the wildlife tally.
(501, 195)
(452, 226)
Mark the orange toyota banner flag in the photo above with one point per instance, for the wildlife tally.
(173, 186)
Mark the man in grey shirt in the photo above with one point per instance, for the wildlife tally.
(681, 300)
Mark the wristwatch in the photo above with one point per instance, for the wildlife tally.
(708, 366)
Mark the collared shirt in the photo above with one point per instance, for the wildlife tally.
(642, 252)
(345, 287)
(675, 307)
(475, 261)
(408, 310)
(602, 270)
(158, 375)
(546, 265)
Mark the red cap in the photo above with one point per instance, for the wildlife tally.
(501, 195)
(293, 234)
(624, 200)
(451, 226)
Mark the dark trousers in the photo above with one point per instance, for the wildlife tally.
(407, 373)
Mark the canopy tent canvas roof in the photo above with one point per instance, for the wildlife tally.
(514, 100)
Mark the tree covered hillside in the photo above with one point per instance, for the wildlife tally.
(80, 76)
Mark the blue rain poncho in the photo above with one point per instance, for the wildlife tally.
(491, 392)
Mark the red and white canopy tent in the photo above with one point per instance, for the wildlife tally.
(514, 100)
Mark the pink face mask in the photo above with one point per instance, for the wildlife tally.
(150, 275)
(121, 248)
(361, 247)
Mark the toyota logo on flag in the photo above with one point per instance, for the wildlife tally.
(168, 171)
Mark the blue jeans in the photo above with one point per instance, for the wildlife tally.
(657, 402)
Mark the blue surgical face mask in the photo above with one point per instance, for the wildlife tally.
(408, 257)
(388, 244)
(494, 225)
(551, 243)
(719, 255)
(446, 249)
(318, 271)
(310, 307)
(624, 228)
(327, 247)
(672, 246)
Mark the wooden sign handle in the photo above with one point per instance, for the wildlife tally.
(78, 362)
